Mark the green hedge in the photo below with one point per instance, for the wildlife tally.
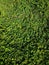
(24, 32)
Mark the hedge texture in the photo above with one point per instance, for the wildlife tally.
(24, 32)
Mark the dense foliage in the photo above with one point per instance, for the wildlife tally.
(24, 32)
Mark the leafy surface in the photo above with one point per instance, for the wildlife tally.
(24, 32)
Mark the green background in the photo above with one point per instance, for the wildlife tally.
(24, 32)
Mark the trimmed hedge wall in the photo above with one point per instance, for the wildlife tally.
(24, 32)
